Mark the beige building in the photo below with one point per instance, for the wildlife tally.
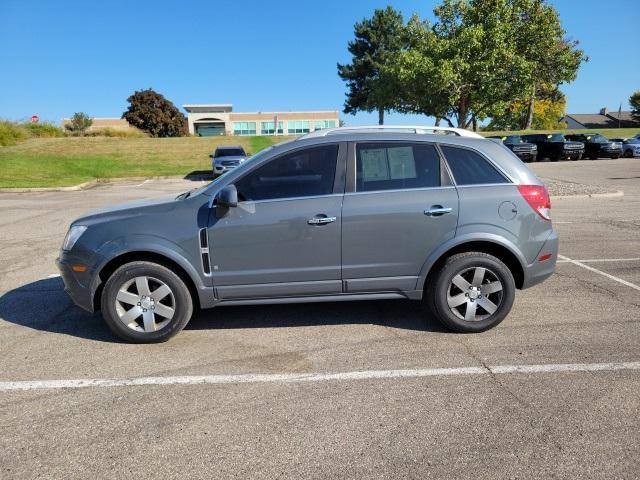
(104, 122)
(220, 119)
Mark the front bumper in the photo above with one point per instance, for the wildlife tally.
(539, 271)
(611, 153)
(77, 285)
(573, 153)
(527, 156)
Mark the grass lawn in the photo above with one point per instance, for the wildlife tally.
(54, 162)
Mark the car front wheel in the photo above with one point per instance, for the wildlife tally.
(471, 292)
(143, 302)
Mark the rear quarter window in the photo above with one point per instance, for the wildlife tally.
(469, 168)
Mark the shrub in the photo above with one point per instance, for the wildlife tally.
(79, 123)
(46, 129)
(153, 113)
(12, 133)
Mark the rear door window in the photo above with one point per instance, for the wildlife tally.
(396, 166)
(469, 168)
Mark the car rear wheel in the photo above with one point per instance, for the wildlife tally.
(471, 292)
(628, 153)
(143, 302)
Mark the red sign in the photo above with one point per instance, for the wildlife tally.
(35, 118)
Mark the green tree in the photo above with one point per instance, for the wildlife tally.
(549, 108)
(553, 59)
(478, 58)
(79, 123)
(634, 101)
(153, 113)
(377, 41)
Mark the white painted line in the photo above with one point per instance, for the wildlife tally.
(600, 272)
(318, 377)
(557, 222)
(600, 260)
(146, 181)
(54, 275)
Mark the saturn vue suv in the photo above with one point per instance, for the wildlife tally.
(430, 214)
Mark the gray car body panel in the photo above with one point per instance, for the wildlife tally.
(381, 245)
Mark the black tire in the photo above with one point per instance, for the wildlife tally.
(628, 153)
(579, 157)
(181, 302)
(593, 157)
(615, 157)
(440, 284)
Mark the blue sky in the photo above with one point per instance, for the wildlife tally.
(59, 57)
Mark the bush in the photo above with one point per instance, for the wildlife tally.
(41, 130)
(12, 133)
(153, 113)
(80, 123)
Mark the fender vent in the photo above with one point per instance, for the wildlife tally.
(204, 251)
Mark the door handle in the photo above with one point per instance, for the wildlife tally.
(437, 211)
(321, 220)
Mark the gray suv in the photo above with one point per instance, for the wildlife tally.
(227, 158)
(341, 214)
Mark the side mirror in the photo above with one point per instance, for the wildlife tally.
(211, 155)
(227, 197)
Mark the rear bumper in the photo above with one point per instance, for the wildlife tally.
(539, 271)
(76, 285)
(569, 154)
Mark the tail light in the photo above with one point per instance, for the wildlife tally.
(537, 197)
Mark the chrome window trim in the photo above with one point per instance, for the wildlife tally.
(396, 190)
(248, 202)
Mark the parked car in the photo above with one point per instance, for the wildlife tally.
(630, 146)
(227, 158)
(555, 146)
(338, 214)
(527, 152)
(597, 146)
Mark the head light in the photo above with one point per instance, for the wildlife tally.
(72, 237)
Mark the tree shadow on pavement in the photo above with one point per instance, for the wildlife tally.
(43, 305)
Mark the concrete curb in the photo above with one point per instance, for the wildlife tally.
(93, 183)
(617, 193)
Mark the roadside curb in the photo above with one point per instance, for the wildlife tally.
(93, 183)
(617, 193)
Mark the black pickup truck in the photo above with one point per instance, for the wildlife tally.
(555, 146)
(527, 152)
(597, 146)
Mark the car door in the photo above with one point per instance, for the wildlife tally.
(283, 238)
(400, 205)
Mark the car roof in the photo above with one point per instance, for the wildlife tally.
(230, 147)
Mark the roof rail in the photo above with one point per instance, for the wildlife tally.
(417, 129)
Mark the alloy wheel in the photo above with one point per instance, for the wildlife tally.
(475, 294)
(145, 304)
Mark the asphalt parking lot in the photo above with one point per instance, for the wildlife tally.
(429, 403)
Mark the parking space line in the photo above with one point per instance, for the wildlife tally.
(600, 260)
(319, 377)
(600, 272)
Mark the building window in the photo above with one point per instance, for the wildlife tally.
(297, 127)
(320, 124)
(268, 128)
(244, 128)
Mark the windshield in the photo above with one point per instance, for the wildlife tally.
(556, 137)
(598, 139)
(635, 141)
(229, 152)
(513, 139)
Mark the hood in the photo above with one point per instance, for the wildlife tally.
(126, 209)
